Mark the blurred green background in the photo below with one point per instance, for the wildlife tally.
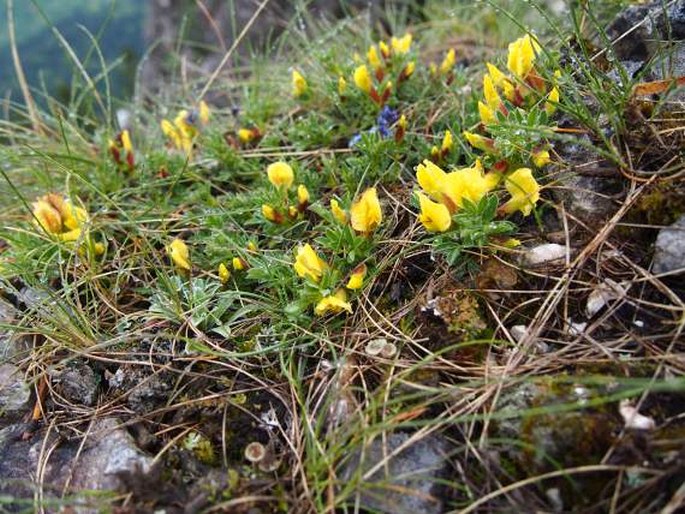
(117, 25)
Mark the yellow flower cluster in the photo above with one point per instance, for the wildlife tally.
(365, 213)
(59, 217)
(310, 266)
(364, 216)
(444, 193)
(282, 176)
(516, 87)
(378, 57)
(186, 127)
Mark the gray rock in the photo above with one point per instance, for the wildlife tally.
(640, 30)
(669, 252)
(408, 482)
(76, 384)
(69, 467)
(589, 199)
(14, 393)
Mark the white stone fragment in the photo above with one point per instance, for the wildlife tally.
(602, 294)
(518, 332)
(576, 328)
(544, 254)
(633, 419)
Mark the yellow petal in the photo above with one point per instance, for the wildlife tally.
(482, 143)
(385, 49)
(448, 62)
(126, 141)
(552, 101)
(541, 158)
(333, 304)
(342, 85)
(178, 251)
(299, 84)
(302, 194)
(357, 277)
(49, 218)
(524, 191)
(365, 213)
(224, 273)
(492, 98)
(522, 53)
(373, 57)
(362, 78)
(238, 264)
(487, 115)
(430, 177)
(338, 213)
(498, 78)
(245, 135)
(434, 216)
(269, 213)
(280, 174)
(447, 142)
(308, 263)
(401, 45)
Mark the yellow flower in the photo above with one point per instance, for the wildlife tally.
(178, 251)
(362, 79)
(431, 178)
(224, 273)
(251, 246)
(246, 135)
(541, 158)
(487, 115)
(357, 277)
(302, 195)
(434, 216)
(524, 191)
(365, 213)
(48, 214)
(338, 213)
(447, 143)
(552, 101)
(342, 85)
(238, 264)
(522, 53)
(465, 183)
(408, 70)
(402, 45)
(270, 213)
(126, 141)
(280, 174)
(179, 137)
(58, 216)
(492, 98)
(448, 62)
(498, 78)
(293, 212)
(299, 84)
(373, 57)
(333, 304)
(481, 143)
(385, 50)
(402, 123)
(308, 263)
